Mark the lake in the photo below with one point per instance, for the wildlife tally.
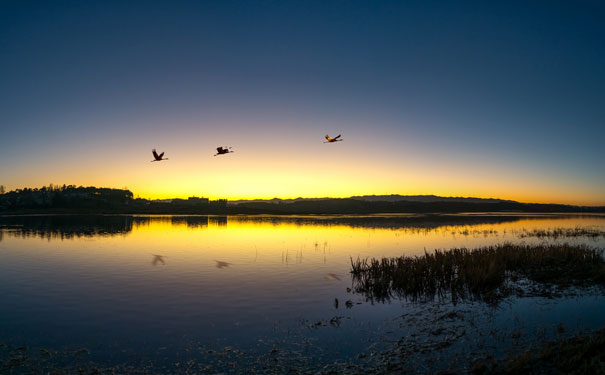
(234, 294)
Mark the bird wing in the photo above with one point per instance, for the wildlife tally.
(155, 154)
(338, 136)
(162, 154)
(219, 149)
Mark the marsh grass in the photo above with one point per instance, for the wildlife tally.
(556, 233)
(487, 273)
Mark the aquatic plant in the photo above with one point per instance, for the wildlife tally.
(487, 273)
(555, 233)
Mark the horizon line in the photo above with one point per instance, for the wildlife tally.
(162, 196)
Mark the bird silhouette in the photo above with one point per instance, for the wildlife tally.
(157, 157)
(221, 265)
(157, 259)
(331, 140)
(223, 150)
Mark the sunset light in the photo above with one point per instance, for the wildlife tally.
(302, 187)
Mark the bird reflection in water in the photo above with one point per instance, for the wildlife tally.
(221, 265)
(158, 259)
(332, 276)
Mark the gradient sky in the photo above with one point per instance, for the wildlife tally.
(485, 99)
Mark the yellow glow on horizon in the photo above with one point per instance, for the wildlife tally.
(335, 175)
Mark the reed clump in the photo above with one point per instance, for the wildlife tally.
(556, 233)
(487, 273)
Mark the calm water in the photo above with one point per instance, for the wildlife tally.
(164, 288)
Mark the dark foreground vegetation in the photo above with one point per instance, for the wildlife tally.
(72, 199)
(579, 355)
(487, 274)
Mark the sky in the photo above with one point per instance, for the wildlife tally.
(481, 99)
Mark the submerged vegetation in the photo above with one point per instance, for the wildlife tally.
(488, 273)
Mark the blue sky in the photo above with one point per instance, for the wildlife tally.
(476, 99)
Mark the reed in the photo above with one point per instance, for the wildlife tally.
(555, 233)
(487, 273)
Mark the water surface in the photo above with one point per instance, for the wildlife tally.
(151, 288)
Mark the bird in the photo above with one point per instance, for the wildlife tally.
(223, 150)
(157, 157)
(332, 276)
(331, 140)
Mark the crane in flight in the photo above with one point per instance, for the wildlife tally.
(223, 150)
(157, 157)
(331, 140)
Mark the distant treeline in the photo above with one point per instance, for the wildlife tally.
(65, 197)
(354, 206)
(72, 199)
(80, 199)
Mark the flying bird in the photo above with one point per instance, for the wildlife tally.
(223, 150)
(157, 157)
(330, 139)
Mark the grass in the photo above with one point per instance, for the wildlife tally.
(555, 233)
(487, 273)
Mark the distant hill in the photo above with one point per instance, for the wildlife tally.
(379, 198)
(426, 198)
(277, 200)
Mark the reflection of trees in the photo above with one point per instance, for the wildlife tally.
(67, 226)
(193, 221)
(420, 223)
(220, 221)
(190, 221)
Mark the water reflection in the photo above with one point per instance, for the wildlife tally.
(66, 226)
(220, 221)
(468, 225)
(221, 264)
(190, 221)
(231, 281)
(158, 259)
